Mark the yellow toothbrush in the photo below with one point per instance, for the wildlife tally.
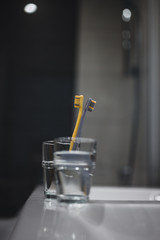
(88, 107)
(78, 103)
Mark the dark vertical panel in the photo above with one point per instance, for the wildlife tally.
(37, 69)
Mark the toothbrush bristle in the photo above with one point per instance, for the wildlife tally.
(78, 101)
(91, 105)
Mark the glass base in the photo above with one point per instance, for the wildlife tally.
(50, 196)
(73, 198)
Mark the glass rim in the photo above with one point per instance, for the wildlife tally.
(48, 142)
(79, 139)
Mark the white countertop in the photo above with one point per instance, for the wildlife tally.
(99, 219)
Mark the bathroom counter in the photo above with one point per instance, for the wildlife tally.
(99, 219)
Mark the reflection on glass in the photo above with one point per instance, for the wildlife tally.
(126, 44)
(126, 34)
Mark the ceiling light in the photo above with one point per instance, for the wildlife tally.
(30, 8)
(126, 15)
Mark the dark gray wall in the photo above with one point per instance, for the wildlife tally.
(116, 78)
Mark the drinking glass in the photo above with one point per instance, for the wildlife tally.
(74, 168)
(49, 180)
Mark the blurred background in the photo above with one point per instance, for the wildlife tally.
(107, 50)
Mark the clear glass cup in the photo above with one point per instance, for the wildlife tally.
(74, 168)
(49, 180)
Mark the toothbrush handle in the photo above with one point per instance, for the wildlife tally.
(80, 128)
(76, 128)
(81, 124)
